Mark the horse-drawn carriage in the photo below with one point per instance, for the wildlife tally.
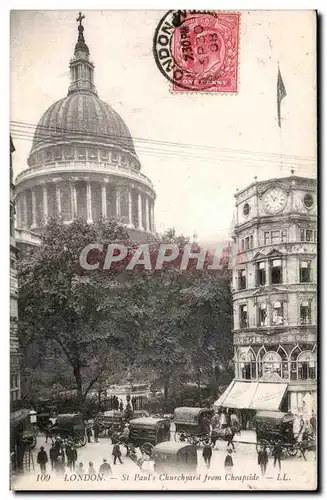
(109, 422)
(175, 457)
(145, 433)
(274, 427)
(192, 425)
(69, 426)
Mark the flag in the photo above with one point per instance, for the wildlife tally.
(281, 93)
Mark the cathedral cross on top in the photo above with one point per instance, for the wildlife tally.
(80, 18)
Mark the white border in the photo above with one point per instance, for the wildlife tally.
(320, 5)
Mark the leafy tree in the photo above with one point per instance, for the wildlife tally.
(82, 313)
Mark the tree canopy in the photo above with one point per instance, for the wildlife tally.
(171, 322)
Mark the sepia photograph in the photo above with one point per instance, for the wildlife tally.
(163, 250)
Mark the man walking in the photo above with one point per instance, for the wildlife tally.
(263, 460)
(96, 431)
(42, 459)
(53, 455)
(207, 454)
(117, 453)
(277, 454)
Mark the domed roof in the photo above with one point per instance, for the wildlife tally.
(82, 115)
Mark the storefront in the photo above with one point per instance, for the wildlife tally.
(245, 398)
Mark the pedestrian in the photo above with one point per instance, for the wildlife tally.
(53, 455)
(96, 431)
(105, 468)
(313, 423)
(277, 454)
(235, 425)
(91, 468)
(121, 406)
(71, 454)
(214, 436)
(42, 459)
(229, 435)
(228, 464)
(207, 454)
(80, 468)
(263, 460)
(89, 433)
(134, 403)
(223, 422)
(215, 421)
(117, 453)
(59, 466)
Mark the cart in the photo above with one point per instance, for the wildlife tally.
(70, 426)
(175, 457)
(192, 425)
(276, 427)
(145, 433)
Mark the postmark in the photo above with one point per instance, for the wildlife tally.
(197, 51)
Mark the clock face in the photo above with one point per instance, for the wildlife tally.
(274, 200)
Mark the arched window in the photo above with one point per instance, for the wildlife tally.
(247, 365)
(260, 356)
(294, 355)
(272, 362)
(285, 364)
(306, 366)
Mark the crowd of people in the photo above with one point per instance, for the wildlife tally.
(63, 458)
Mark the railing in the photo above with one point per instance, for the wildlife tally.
(85, 166)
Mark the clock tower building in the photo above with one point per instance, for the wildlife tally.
(274, 297)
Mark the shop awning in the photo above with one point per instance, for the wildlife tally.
(237, 395)
(253, 396)
(268, 396)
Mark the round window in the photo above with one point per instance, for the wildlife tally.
(308, 201)
(246, 209)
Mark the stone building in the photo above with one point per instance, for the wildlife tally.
(274, 297)
(83, 162)
(14, 346)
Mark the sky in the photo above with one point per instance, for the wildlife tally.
(195, 192)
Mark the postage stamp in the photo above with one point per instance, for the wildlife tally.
(198, 51)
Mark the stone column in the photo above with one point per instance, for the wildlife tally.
(24, 208)
(73, 195)
(104, 200)
(33, 208)
(89, 202)
(147, 215)
(58, 199)
(118, 211)
(45, 203)
(130, 217)
(152, 216)
(139, 207)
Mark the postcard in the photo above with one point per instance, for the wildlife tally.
(163, 250)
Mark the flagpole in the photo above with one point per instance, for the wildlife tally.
(281, 93)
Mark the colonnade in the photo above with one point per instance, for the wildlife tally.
(67, 201)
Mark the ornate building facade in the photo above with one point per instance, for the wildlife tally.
(274, 297)
(14, 345)
(83, 162)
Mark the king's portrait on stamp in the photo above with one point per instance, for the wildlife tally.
(163, 251)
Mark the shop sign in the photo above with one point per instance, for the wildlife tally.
(281, 338)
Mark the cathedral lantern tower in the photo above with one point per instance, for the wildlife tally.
(83, 162)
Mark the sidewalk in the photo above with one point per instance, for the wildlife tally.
(249, 437)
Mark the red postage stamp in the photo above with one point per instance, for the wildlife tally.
(205, 46)
(198, 51)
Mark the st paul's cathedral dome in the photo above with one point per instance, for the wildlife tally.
(83, 162)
